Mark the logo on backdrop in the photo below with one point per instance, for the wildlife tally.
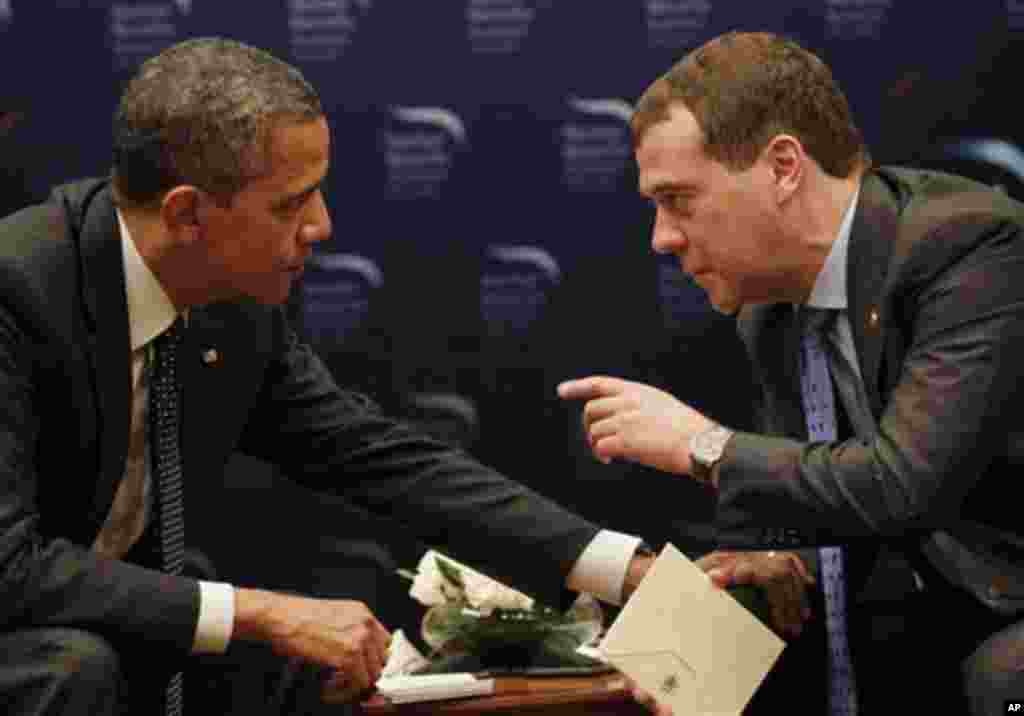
(596, 146)
(676, 24)
(321, 30)
(338, 290)
(142, 29)
(1015, 15)
(856, 19)
(419, 149)
(515, 285)
(498, 26)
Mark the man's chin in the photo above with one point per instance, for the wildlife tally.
(732, 311)
(271, 295)
(726, 306)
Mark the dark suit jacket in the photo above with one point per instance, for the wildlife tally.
(64, 420)
(935, 277)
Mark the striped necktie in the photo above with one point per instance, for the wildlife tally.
(164, 431)
(820, 414)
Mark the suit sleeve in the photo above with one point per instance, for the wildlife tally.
(335, 440)
(945, 419)
(47, 580)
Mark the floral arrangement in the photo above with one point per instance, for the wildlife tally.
(470, 613)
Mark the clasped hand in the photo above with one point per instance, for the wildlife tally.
(636, 422)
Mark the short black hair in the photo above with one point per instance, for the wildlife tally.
(201, 113)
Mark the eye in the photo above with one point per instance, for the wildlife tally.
(290, 207)
(674, 203)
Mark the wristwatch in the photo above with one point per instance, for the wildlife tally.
(706, 448)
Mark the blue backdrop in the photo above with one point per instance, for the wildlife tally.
(488, 236)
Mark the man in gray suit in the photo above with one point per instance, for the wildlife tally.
(764, 189)
(214, 205)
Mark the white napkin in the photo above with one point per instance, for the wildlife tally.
(433, 687)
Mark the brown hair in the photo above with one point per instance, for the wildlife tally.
(743, 89)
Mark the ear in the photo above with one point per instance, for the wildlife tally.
(181, 211)
(787, 162)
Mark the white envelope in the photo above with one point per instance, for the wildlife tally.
(688, 642)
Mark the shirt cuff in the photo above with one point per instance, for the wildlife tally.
(601, 569)
(216, 618)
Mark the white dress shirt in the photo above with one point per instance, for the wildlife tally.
(830, 286)
(600, 569)
(150, 313)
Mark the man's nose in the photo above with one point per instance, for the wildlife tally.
(317, 226)
(667, 238)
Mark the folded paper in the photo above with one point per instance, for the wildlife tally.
(689, 643)
(403, 656)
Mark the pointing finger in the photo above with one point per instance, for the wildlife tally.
(595, 386)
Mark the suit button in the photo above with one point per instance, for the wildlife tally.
(211, 356)
(873, 318)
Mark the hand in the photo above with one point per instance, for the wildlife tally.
(339, 634)
(645, 699)
(637, 422)
(782, 575)
(337, 688)
(635, 573)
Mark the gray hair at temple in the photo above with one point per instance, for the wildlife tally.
(201, 113)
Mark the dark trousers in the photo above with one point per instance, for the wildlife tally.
(59, 671)
(939, 651)
(66, 671)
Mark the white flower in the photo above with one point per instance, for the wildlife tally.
(427, 586)
(480, 591)
(486, 595)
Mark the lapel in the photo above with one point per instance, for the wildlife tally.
(109, 353)
(873, 236)
(222, 367)
(780, 365)
(202, 376)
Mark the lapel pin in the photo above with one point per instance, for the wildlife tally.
(1000, 585)
(211, 356)
(873, 318)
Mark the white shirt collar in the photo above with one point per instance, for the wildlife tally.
(150, 311)
(830, 286)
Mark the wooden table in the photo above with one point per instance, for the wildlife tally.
(602, 695)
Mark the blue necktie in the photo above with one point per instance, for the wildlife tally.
(820, 413)
(164, 434)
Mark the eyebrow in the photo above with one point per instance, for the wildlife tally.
(667, 186)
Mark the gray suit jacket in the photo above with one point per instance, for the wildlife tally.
(65, 414)
(935, 277)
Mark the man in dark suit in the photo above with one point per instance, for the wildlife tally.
(15, 187)
(763, 188)
(142, 340)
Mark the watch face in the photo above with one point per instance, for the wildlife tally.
(706, 449)
(708, 445)
(699, 448)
